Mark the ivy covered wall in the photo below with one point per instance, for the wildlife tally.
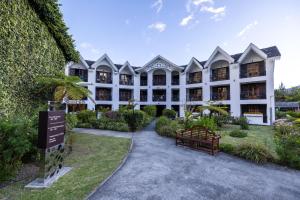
(29, 49)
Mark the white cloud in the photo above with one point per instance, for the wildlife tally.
(89, 49)
(196, 3)
(159, 26)
(247, 28)
(219, 13)
(158, 5)
(185, 21)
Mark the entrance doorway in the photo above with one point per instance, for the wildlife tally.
(159, 109)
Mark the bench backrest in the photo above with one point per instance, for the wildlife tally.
(198, 132)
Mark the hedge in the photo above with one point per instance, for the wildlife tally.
(30, 47)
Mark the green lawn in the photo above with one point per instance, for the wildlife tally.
(256, 134)
(93, 159)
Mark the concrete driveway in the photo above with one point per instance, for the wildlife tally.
(157, 169)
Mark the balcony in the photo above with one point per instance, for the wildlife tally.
(159, 80)
(195, 77)
(194, 94)
(126, 79)
(103, 94)
(159, 95)
(175, 95)
(220, 93)
(103, 77)
(125, 95)
(175, 81)
(144, 82)
(253, 91)
(175, 78)
(143, 95)
(220, 74)
(252, 70)
(81, 73)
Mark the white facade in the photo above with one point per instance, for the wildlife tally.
(243, 82)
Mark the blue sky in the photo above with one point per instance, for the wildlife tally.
(138, 30)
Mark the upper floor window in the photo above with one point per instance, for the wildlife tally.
(252, 69)
(220, 93)
(144, 79)
(194, 77)
(175, 78)
(159, 77)
(126, 79)
(81, 73)
(253, 91)
(220, 74)
(103, 74)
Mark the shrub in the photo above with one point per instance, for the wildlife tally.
(221, 120)
(238, 134)
(15, 137)
(288, 149)
(150, 110)
(161, 121)
(253, 152)
(167, 127)
(71, 121)
(243, 122)
(280, 114)
(171, 114)
(86, 116)
(294, 114)
(227, 148)
(113, 115)
(285, 129)
(108, 124)
(207, 122)
(134, 119)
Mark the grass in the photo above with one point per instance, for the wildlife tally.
(93, 159)
(263, 135)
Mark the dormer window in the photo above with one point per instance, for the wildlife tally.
(252, 69)
(81, 73)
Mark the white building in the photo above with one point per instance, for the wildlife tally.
(243, 82)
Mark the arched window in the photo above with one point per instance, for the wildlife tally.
(220, 70)
(175, 78)
(103, 74)
(159, 77)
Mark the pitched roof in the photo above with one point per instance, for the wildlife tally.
(269, 51)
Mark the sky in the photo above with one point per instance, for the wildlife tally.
(138, 30)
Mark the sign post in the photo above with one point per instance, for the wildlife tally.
(51, 146)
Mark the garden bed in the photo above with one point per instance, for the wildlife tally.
(93, 159)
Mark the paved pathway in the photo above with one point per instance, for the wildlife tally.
(157, 169)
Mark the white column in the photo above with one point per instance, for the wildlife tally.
(206, 85)
(92, 88)
(235, 106)
(182, 93)
(136, 83)
(168, 89)
(150, 86)
(115, 91)
(270, 91)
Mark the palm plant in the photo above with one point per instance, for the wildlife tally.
(65, 87)
(213, 109)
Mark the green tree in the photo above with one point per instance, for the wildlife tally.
(281, 93)
(65, 87)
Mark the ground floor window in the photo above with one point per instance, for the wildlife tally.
(76, 107)
(255, 109)
(103, 107)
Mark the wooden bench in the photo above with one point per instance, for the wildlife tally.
(199, 138)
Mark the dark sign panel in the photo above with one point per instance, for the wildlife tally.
(51, 128)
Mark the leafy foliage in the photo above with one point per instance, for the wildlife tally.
(65, 86)
(29, 50)
(16, 140)
(253, 152)
(207, 122)
(167, 127)
(150, 110)
(213, 109)
(171, 114)
(134, 119)
(238, 133)
(71, 121)
(86, 117)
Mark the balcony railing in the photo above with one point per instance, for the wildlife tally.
(81, 73)
(159, 82)
(103, 80)
(245, 74)
(126, 82)
(143, 98)
(194, 98)
(220, 77)
(157, 97)
(245, 95)
(103, 97)
(220, 96)
(125, 98)
(175, 81)
(175, 98)
(193, 81)
(144, 82)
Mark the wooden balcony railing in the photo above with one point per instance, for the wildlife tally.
(158, 97)
(220, 96)
(103, 97)
(143, 98)
(194, 98)
(246, 95)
